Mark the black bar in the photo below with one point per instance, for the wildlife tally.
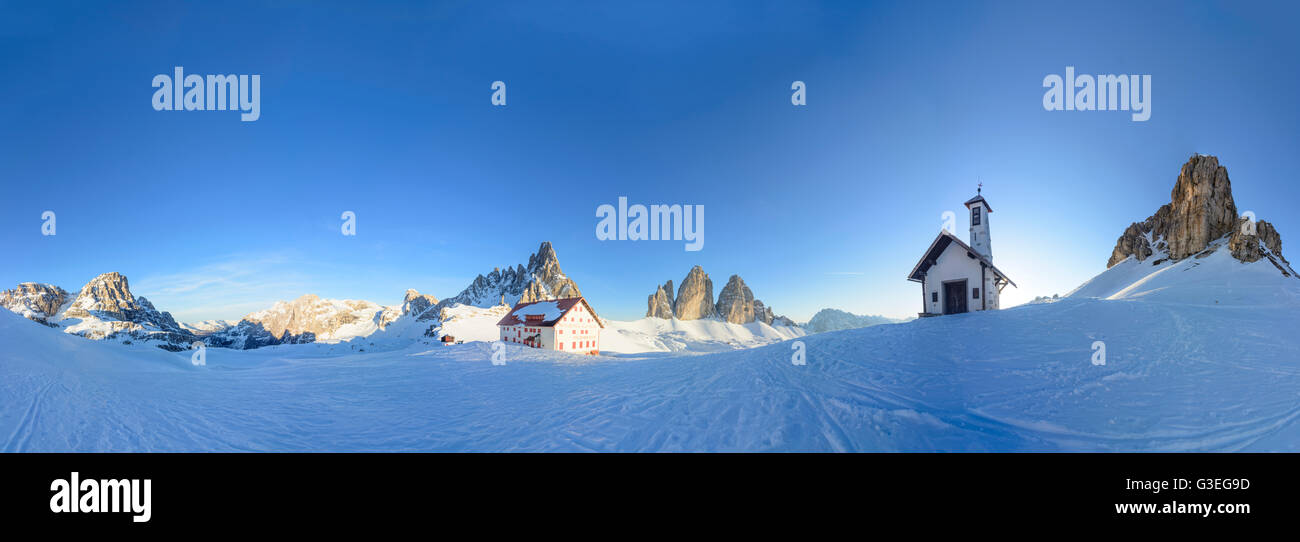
(331, 490)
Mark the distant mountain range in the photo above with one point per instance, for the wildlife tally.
(105, 309)
(835, 320)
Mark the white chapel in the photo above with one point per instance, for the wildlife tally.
(958, 277)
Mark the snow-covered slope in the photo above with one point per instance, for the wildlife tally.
(686, 336)
(1214, 278)
(1182, 373)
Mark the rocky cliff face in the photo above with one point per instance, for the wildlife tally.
(695, 296)
(735, 302)
(1200, 212)
(35, 301)
(694, 300)
(415, 304)
(547, 281)
(763, 313)
(542, 279)
(1252, 242)
(660, 303)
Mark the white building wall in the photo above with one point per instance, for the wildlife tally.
(518, 332)
(979, 233)
(954, 264)
(990, 286)
(578, 331)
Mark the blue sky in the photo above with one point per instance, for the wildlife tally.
(385, 110)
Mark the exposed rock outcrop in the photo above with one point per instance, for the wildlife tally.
(1259, 240)
(35, 301)
(1201, 211)
(695, 296)
(660, 303)
(1135, 241)
(414, 304)
(763, 313)
(1252, 242)
(783, 321)
(736, 302)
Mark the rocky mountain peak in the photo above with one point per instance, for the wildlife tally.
(695, 296)
(736, 302)
(1201, 211)
(542, 279)
(418, 305)
(109, 293)
(660, 303)
(545, 256)
(108, 297)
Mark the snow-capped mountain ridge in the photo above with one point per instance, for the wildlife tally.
(305, 319)
(103, 309)
(542, 279)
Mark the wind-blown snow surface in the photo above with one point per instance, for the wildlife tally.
(1183, 373)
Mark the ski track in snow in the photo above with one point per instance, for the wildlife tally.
(1187, 370)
